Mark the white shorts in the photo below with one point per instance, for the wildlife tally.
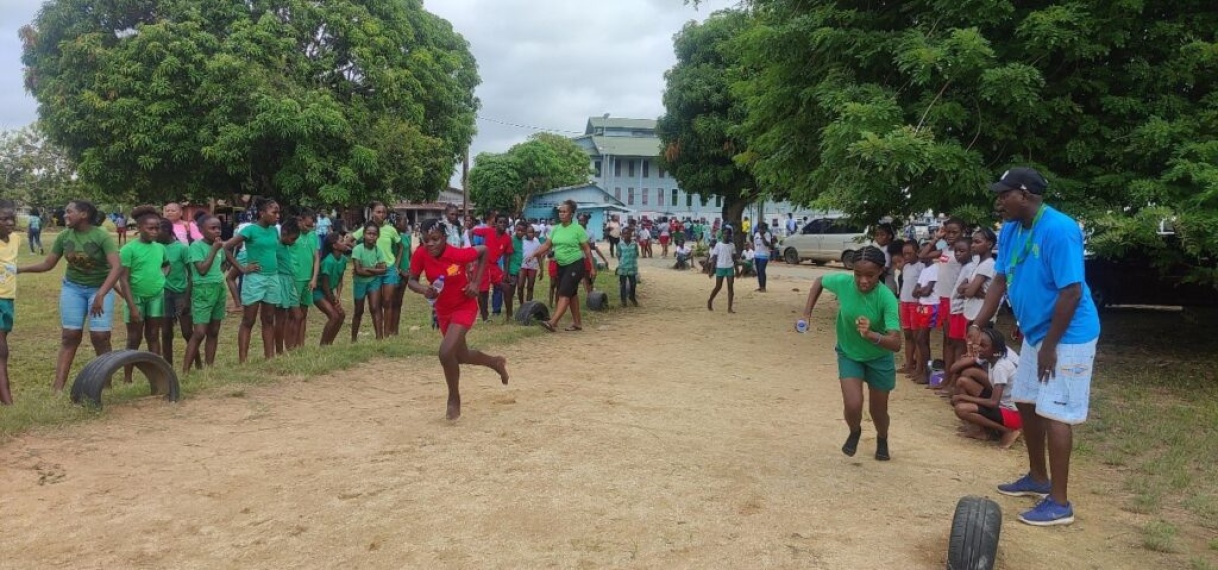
(1066, 396)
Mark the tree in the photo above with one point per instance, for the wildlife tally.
(506, 181)
(698, 129)
(903, 107)
(35, 172)
(323, 103)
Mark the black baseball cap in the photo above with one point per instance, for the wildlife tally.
(1021, 178)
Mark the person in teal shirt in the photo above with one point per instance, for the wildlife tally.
(260, 289)
(206, 292)
(143, 284)
(177, 292)
(370, 270)
(868, 334)
(306, 264)
(328, 295)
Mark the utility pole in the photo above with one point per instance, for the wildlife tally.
(465, 184)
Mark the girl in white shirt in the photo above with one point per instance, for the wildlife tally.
(724, 255)
(529, 268)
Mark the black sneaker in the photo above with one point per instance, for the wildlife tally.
(852, 443)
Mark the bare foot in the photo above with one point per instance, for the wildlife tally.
(731, 310)
(500, 366)
(454, 411)
(975, 433)
(710, 305)
(1008, 439)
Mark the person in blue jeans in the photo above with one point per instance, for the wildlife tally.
(1040, 271)
(87, 293)
(763, 242)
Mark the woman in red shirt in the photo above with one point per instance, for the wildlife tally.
(455, 296)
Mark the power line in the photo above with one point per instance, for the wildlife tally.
(529, 127)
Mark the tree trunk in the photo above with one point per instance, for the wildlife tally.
(733, 210)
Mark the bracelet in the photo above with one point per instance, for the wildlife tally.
(974, 326)
(878, 339)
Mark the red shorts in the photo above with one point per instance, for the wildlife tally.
(1011, 419)
(925, 317)
(664, 240)
(493, 276)
(908, 314)
(945, 309)
(552, 269)
(957, 326)
(644, 243)
(465, 315)
(587, 266)
(526, 273)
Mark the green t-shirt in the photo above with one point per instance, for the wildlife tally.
(386, 240)
(332, 269)
(879, 306)
(304, 251)
(517, 258)
(86, 254)
(144, 262)
(404, 262)
(285, 259)
(261, 246)
(367, 258)
(179, 257)
(567, 240)
(199, 251)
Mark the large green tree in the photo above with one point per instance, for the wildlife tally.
(902, 107)
(35, 172)
(506, 181)
(698, 128)
(332, 102)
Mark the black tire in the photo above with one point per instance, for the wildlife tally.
(95, 376)
(975, 529)
(531, 312)
(819, 262)
(791, 256)
(848, 259)
(597, 301)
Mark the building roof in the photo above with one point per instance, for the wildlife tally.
(616, 123)
(607, 198)
(648, 147)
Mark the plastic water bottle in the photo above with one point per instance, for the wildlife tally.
(438, 285)
(801, 326)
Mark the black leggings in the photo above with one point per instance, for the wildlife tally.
(569, 278)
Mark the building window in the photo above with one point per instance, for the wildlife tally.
(660, 170)
(689, 200)
(718, 201)
(646, 169)
(617, 168)
(646, 192)
(597, 166)
(630, 168)
(617, 193)
(674, 197)
(630, 196)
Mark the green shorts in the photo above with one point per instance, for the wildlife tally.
(8, 313)
(207, 302)
(289, 295)
(152, 307)
(361, 290)
(725, 272)
(304, 293)
(879, 374)
(259, 288)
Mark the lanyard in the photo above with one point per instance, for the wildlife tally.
(1021, 255)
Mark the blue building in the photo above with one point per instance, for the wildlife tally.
(624, 155)
(588, 198)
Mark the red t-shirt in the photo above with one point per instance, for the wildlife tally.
(497, 246)
(452, 265)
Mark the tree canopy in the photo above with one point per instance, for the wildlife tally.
(903, 107)
(506, 181)
(333, 102)
(36, 173)
(701, 112)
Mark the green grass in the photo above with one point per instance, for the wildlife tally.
(34, 346)
(1160, 536)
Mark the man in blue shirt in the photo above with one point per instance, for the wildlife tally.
(1040, 270)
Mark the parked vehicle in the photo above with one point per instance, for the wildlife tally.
(823, 240)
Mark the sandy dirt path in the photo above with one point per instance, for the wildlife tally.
(669, 437)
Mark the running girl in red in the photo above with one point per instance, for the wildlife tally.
(455, 302)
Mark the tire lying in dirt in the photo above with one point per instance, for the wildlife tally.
(531, 312)
(597, 301)
(974, 540)
(95, 376)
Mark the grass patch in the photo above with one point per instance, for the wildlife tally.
(1201, 564)
(34, 345)
(1160, 536)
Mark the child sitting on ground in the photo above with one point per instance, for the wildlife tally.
(984, 398)
(745, 267)
(683, 255)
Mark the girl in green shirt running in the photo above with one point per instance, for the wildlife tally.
(868, 333)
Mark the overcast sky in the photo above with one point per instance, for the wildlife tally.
(544, 63)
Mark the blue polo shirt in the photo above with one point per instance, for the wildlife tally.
(1051, 261)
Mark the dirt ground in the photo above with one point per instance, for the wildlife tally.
(669, 436)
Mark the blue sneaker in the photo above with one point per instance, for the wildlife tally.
(1048, 513)
(1026, 486)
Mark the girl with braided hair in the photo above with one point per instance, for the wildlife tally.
(984, 398)
(868, 333)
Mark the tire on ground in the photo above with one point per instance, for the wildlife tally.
(95, 376)
(597, 301)
(974, 539)
(791, 256)
(531, 312)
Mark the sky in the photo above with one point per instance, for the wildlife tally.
(547, 64)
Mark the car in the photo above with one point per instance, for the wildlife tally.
(1134, 280)
(823, 240)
